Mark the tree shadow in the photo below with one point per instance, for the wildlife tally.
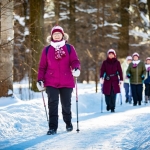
(31, 142)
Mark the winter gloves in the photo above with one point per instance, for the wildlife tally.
(128, 75)
(76, 72)
(120, 83)
(143, 77)
(101, 80)
(40, 85)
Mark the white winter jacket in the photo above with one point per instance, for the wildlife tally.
(124, 67)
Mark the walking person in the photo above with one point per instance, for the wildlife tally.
(58, 64)
(109, 73)
(147, 80)
(136, 72)
(126, 83)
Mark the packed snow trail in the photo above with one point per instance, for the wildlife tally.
(23, 125)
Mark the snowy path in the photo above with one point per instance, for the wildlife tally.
(23, 126)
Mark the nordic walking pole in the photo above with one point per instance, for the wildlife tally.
(102, 104)
(45, 106)
(101, 99)
(77, 106)
(120, 98)
(120, 95)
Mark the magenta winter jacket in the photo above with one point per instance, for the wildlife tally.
(58, 73)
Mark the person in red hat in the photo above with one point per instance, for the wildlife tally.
(109, 73)
(147, 80)
(136, 73)
(56, 70)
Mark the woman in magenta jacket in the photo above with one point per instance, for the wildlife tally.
(57, 67)
(109, 73)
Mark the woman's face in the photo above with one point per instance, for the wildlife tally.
(135, 58)
(129, 61)
(57, 36)
(111, 55)
(148, 61)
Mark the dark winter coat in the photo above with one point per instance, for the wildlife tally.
(57, 73)
(111, 67)
(136, 73)
(147, 79)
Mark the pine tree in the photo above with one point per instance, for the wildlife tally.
(36, 36)
(123, 45)
(6, 48)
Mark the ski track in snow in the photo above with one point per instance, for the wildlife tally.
(23, 125)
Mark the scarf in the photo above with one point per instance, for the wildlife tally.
(147, 67)
(135, 63)
(59, 52)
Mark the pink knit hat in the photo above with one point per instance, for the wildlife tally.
(57, 29)
(135, 54)
(148, 58)
(129, 58)
(111, 51)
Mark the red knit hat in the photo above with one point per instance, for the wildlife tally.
(57, 29)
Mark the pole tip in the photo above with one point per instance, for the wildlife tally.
(77, 130)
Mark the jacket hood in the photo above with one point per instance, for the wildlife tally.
(65, 37)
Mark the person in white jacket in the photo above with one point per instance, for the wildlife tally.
(126, 84)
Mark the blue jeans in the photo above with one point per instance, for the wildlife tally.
(128, 93)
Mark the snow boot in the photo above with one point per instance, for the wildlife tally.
(127, 100)
(112, 110)
(149, 98)
(139, 102)
(107, 108)
(146, 99)
(69, 127)
(51, 132)
(130, 100)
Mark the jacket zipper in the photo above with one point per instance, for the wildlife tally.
(59, 72)
(137, 74)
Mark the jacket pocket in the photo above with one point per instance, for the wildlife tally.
(67, 77)
(49, 74)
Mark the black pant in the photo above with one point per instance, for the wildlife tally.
(111, 100)
(147, 89)
(137, 90)
(53, 101)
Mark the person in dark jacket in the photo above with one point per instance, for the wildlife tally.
(111, 74)
(147, 80)
(136, 72)
(56, 70)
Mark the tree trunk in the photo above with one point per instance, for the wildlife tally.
(123, 45)
(57, 10)
(72, 24)
(6, 48)
(148, 2)
(36, 36)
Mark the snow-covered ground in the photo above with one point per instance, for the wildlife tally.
(23, 124)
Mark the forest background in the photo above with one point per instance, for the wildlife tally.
(94, 26)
